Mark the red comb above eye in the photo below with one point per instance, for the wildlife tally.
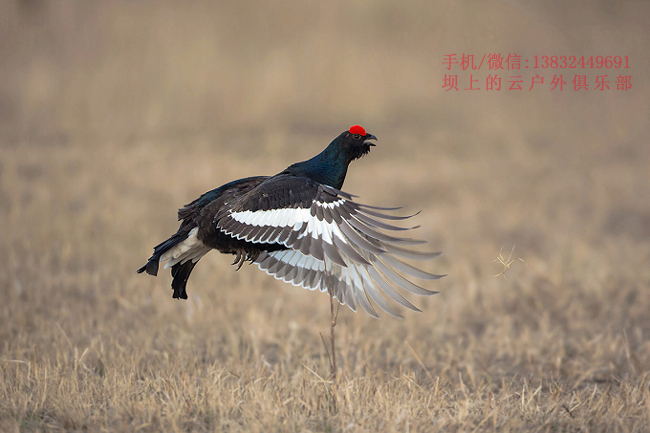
(356, 129)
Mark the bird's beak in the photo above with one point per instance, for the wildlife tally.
(370, 137)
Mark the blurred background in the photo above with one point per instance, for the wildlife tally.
(114, 114)
(125, 70)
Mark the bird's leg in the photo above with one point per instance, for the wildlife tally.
(237, 258)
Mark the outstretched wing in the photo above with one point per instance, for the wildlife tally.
(332, 241)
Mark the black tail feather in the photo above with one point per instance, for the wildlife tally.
(154, 261)
(151, 267)
(181, 272)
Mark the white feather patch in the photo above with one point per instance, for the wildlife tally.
(348, 276)
(190, 249)
(294, 218)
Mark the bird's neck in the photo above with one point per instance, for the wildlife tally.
(328, 167)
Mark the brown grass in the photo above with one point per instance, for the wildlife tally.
(115, 114)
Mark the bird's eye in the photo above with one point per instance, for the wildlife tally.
(356, 136)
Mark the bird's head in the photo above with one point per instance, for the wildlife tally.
(355, 142)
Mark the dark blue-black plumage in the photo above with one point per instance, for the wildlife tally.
(331, 165)
(298, 226)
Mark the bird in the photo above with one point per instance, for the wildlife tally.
(301, 228)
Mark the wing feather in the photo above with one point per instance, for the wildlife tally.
(365, 219)
(327, 241)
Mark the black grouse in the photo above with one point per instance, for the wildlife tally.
(299, 227)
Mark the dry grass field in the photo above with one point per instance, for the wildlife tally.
(114, 114)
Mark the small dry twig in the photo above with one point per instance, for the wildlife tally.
(505, 262)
